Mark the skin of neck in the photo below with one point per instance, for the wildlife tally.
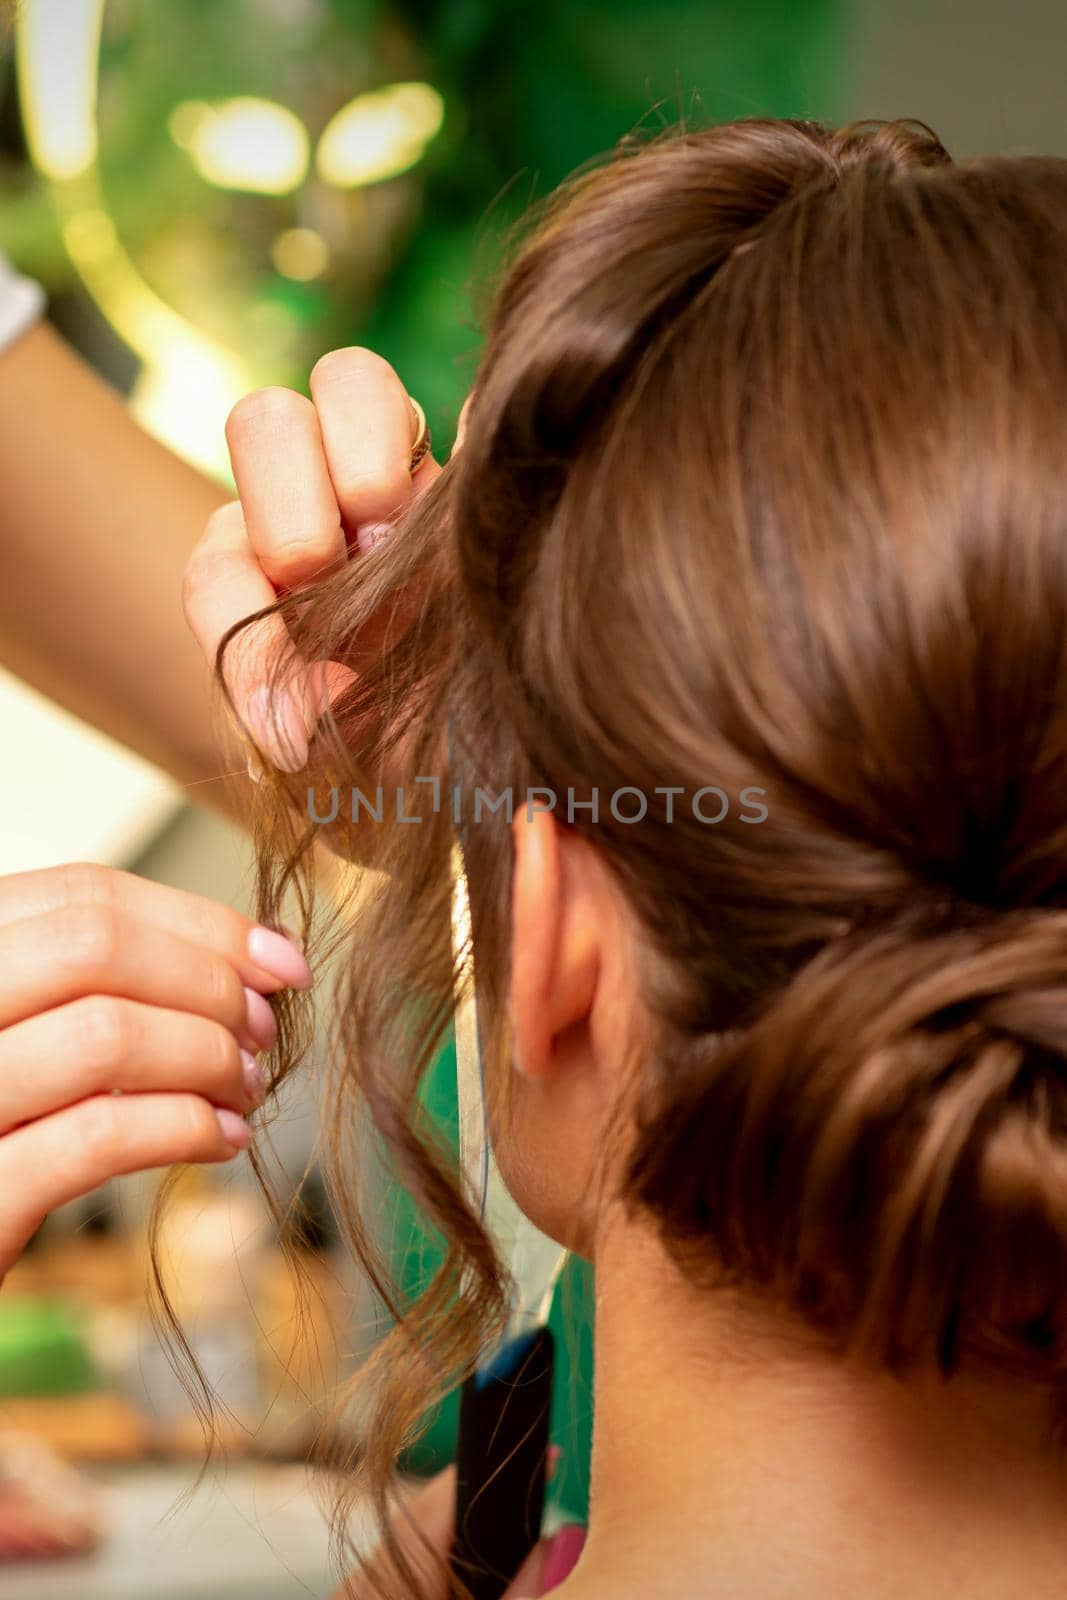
(735, 1456)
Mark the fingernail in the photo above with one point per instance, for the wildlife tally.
(255, 1086)
(260, 1019)
(371, 534)
(280, 957)
(563, 1553)
(279, 728)
(235, 1129)
(255, 771)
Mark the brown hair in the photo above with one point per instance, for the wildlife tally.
(763, 486)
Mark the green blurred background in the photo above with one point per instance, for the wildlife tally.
(277, 236)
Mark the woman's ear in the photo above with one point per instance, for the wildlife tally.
(555, 955)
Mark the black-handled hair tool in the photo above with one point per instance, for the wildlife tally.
(504, 1406)
(500, 1464)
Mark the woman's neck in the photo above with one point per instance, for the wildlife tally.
(752, 1465)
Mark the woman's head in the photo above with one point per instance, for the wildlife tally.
(762, 492)
(764, 489)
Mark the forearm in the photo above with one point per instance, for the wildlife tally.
(96, 523)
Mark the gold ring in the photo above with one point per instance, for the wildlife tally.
(420, 447)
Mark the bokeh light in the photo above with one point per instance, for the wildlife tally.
(58, 45)
(380, 134)
(244, 143)
(300, 253)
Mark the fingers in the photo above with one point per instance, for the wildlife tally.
(261, 958)
(111, 983)
(103, 1043)
(67, 955)
(308, 470)
(279, 466)
(368, 429)
(529, 1581)
(60, 1157)
(427, 1517)
(559, 1557)
(312, 475)
(223, 584)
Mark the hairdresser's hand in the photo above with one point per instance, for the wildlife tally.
(129, 1017)
(318, 480)
(427, 1519)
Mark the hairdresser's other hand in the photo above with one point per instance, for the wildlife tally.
(129, 1017)
(427, 1519)
(317, 480)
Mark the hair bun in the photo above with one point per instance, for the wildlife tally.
(905, 144)
(620, 254)
(893, 1130)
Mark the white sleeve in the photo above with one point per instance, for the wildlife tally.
(21, 303)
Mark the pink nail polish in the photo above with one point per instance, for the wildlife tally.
(280, 957)
(260, 1020)
(563, 1553)
(255, 1085)
(234, 1128)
